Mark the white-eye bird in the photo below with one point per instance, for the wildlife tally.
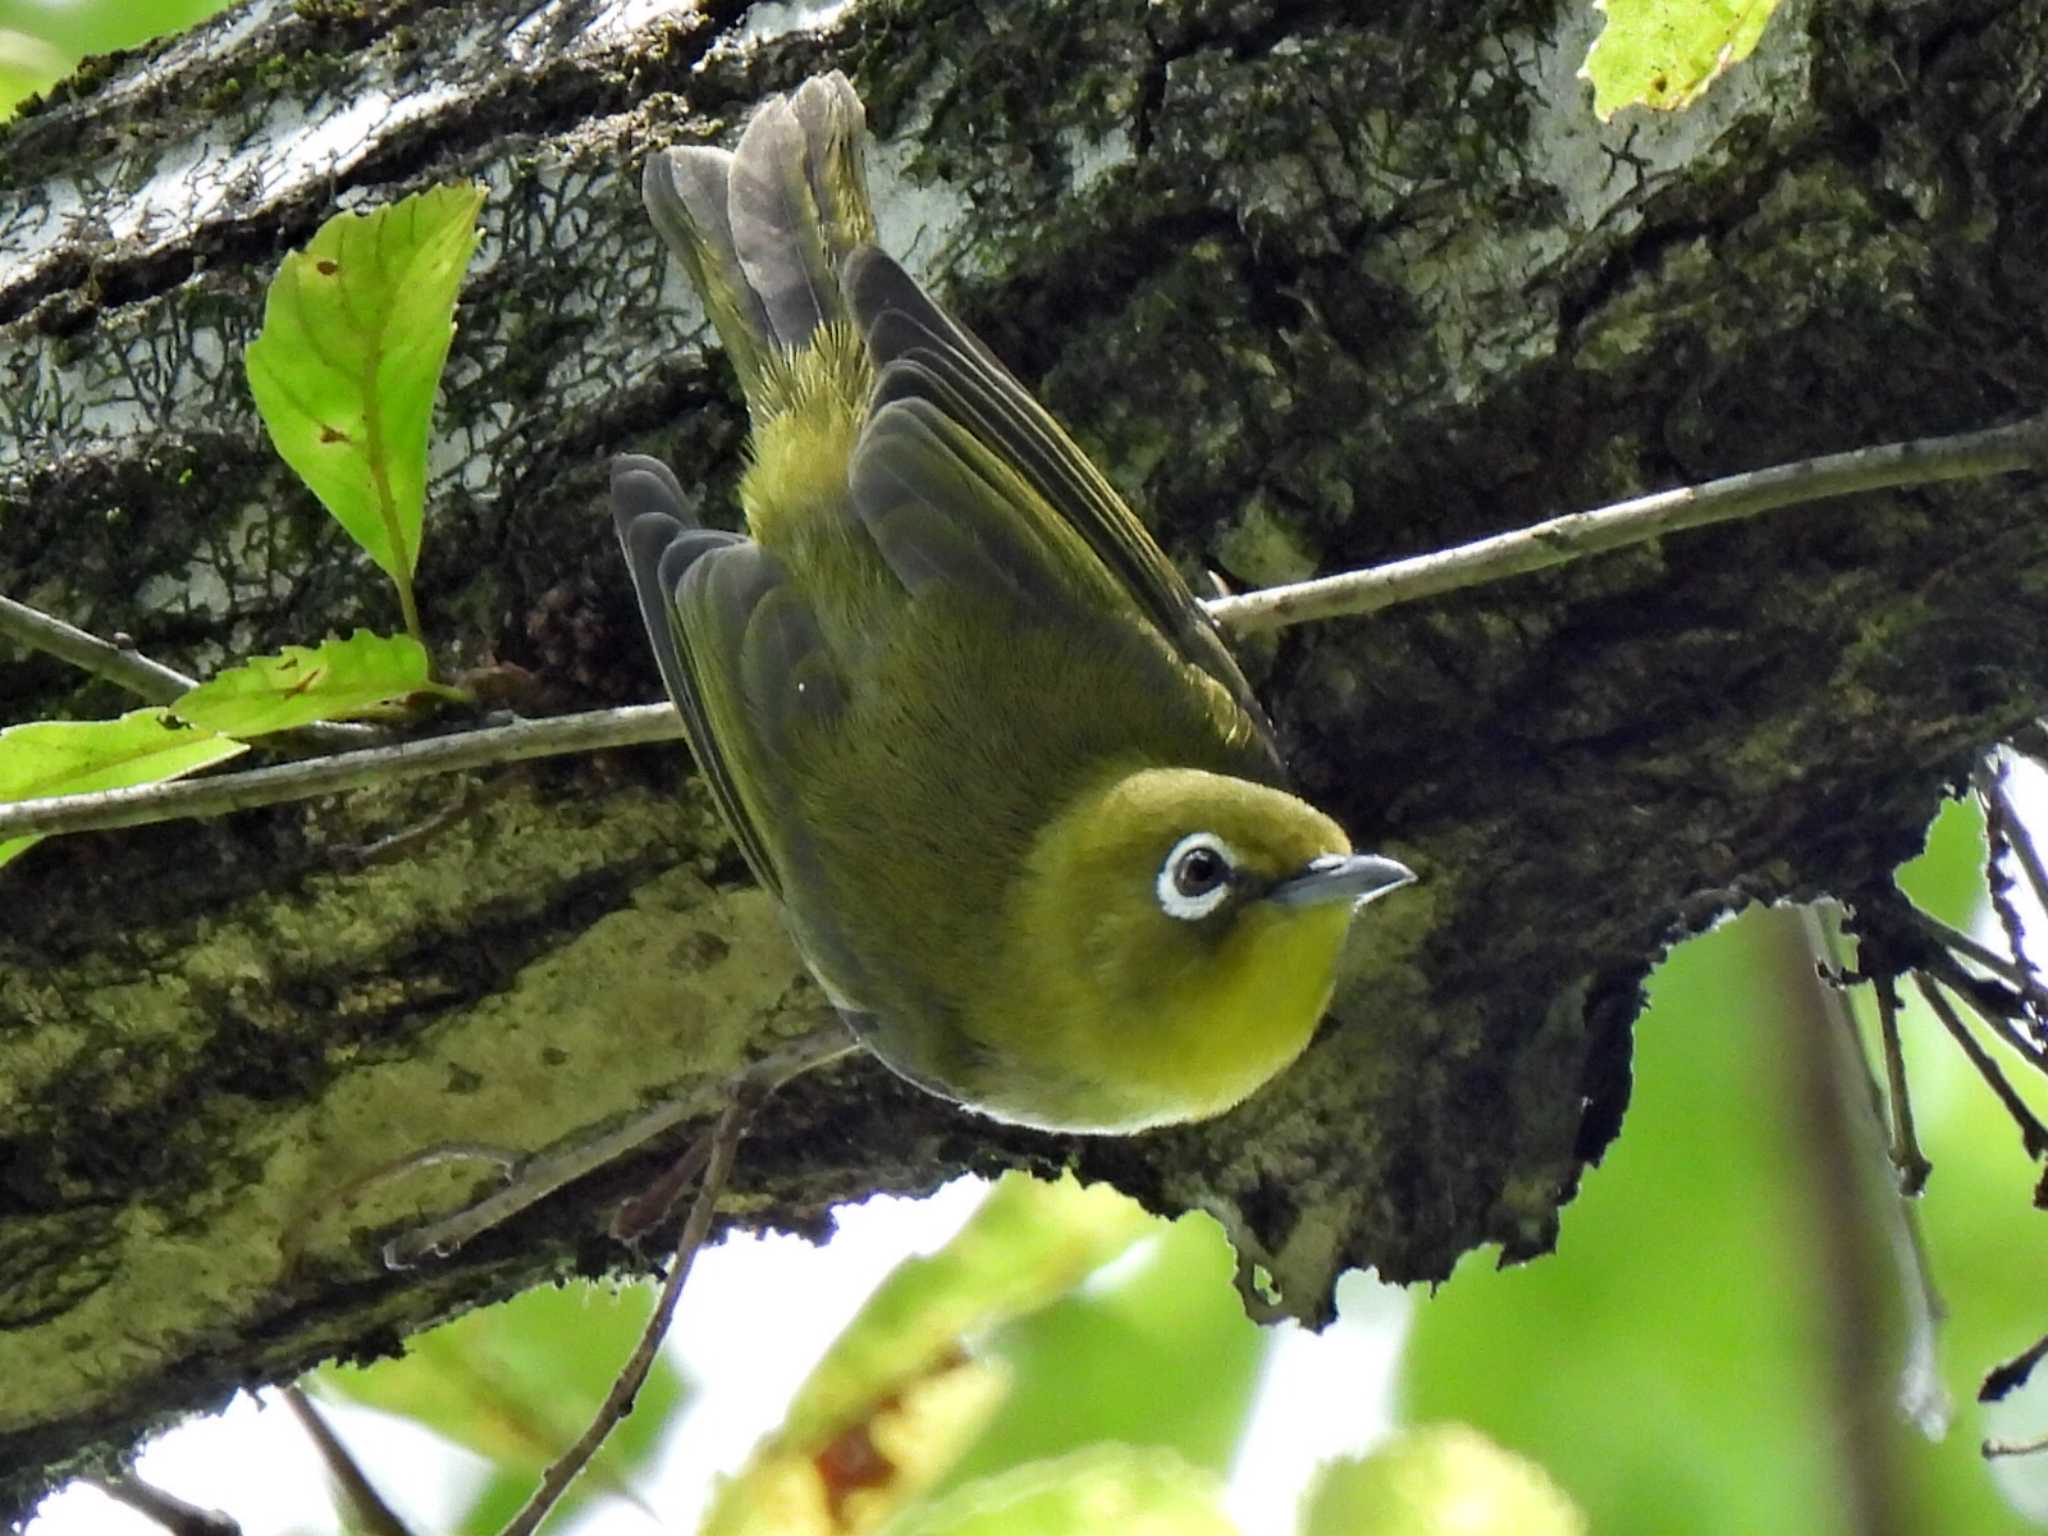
(1029, 826)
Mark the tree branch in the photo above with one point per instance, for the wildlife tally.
(1559, 541)
(147, 803)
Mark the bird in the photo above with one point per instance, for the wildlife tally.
(1027, 823)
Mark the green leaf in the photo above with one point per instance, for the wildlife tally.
(1676, 1364)
(898, 1397)
(1426, 1482)
(332, 681)
(1130, 1490)
(1154, 1351)
(1663, 54)
(356, 329)
(518, 1382)
(1946, 878)
(78, 757)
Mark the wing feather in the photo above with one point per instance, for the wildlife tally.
(922, 354)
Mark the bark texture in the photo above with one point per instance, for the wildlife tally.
(1318, 290)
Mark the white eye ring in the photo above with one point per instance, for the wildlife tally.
(1196, 877)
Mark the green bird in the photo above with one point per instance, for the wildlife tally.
(1028, 824)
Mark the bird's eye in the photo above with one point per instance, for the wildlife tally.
(1195, 879)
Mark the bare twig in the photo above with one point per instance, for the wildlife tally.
(365, 1507)
(166, 1509)
(2001, 450)
(146, 679)
(516, 742)
(2005, 832)
(1991, 1001)
(724, 1144)
(529, 1182)
(535, 1180)
(2009, 971)
(1907, 1158)
(1922, 1393)
(1556, 542)
(2033, 1136)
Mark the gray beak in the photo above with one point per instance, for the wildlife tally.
(1356, 878)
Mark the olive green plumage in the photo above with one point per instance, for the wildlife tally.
(964, 717)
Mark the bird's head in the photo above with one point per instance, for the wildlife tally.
(1186, 927)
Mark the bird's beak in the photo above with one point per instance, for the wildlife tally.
(1356, 878)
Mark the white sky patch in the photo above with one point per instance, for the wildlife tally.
(1323, 1395)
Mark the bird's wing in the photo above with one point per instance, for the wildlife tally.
(938, 388)
(741, 653)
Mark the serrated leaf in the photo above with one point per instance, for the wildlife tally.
(78, 757)
(1131, 1490)
(898, 1399)
(334, 680)
(1663, 54)
(356, 329)
(519, 1381)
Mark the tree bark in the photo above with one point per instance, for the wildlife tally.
(1317, 291)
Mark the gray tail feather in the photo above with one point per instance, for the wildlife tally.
(762, 230)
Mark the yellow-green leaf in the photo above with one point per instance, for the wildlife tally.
(519, 1381)
(1131, 1490)
(332, 681)
(1663, 54)
(898, 1398)
(356, 329)
(78, 757)
(1443, 1478)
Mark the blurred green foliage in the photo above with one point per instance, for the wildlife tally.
(516, 1383)
(41, 41)
(1670, 1364)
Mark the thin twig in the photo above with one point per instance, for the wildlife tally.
(1921, 1392)
(2018, 838)
(2005, 831)
(1907, 1158)
(166, 1509)
(1990, 1001)
(363, 1504)
(1982, 954)
(1993, 1449)
(522, 739)
(2000, 450)
(533, 1181)
(725, 1139)
(145, 677)
(2033, 1136)
(530, 1183)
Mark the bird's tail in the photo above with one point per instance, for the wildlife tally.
(762, 229)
